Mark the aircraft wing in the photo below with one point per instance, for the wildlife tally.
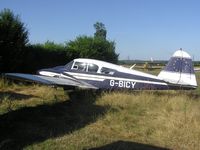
(58, 81)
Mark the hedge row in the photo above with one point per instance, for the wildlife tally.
(32, 58)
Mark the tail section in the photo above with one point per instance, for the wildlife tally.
(179, 70)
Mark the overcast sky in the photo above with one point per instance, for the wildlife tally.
(141, 28)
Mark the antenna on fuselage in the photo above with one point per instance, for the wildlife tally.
(132, 66)
(180, 67)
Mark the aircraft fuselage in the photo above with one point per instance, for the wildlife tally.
(108, 76)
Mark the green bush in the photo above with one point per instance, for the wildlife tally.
(13, 39)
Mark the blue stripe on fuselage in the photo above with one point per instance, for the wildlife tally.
(120, 75)
(120, 85)
(136, 86)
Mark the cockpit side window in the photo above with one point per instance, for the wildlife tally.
(92, 68)
(105, 70)
(69, 65)
(80, 66)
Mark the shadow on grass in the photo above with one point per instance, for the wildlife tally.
(125, 145)
(15, 96)
(35, 124)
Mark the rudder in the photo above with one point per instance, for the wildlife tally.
(179, 70)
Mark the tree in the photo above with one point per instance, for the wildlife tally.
(96, 48)
(13, 38)
(100, 30)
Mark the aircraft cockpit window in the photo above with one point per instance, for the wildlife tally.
(92, 68)
(105, 70)
(81, 66)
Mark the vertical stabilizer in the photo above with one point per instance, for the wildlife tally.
(179, 70)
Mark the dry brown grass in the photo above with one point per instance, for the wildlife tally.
(165, 120)
(38, 117)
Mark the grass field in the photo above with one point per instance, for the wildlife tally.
(39, 117)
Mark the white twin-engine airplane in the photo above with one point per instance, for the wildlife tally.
(94, 74)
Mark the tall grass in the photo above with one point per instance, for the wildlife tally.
(39, 117)
(3, 84)
(15, 96)
(165, 119)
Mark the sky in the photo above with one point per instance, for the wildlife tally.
(141, 29)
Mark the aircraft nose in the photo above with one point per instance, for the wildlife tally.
(49, 72)
(41, 71)
(45, 70)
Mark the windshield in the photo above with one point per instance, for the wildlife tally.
(86, 67)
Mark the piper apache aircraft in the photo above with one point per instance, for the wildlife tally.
(95, 74)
